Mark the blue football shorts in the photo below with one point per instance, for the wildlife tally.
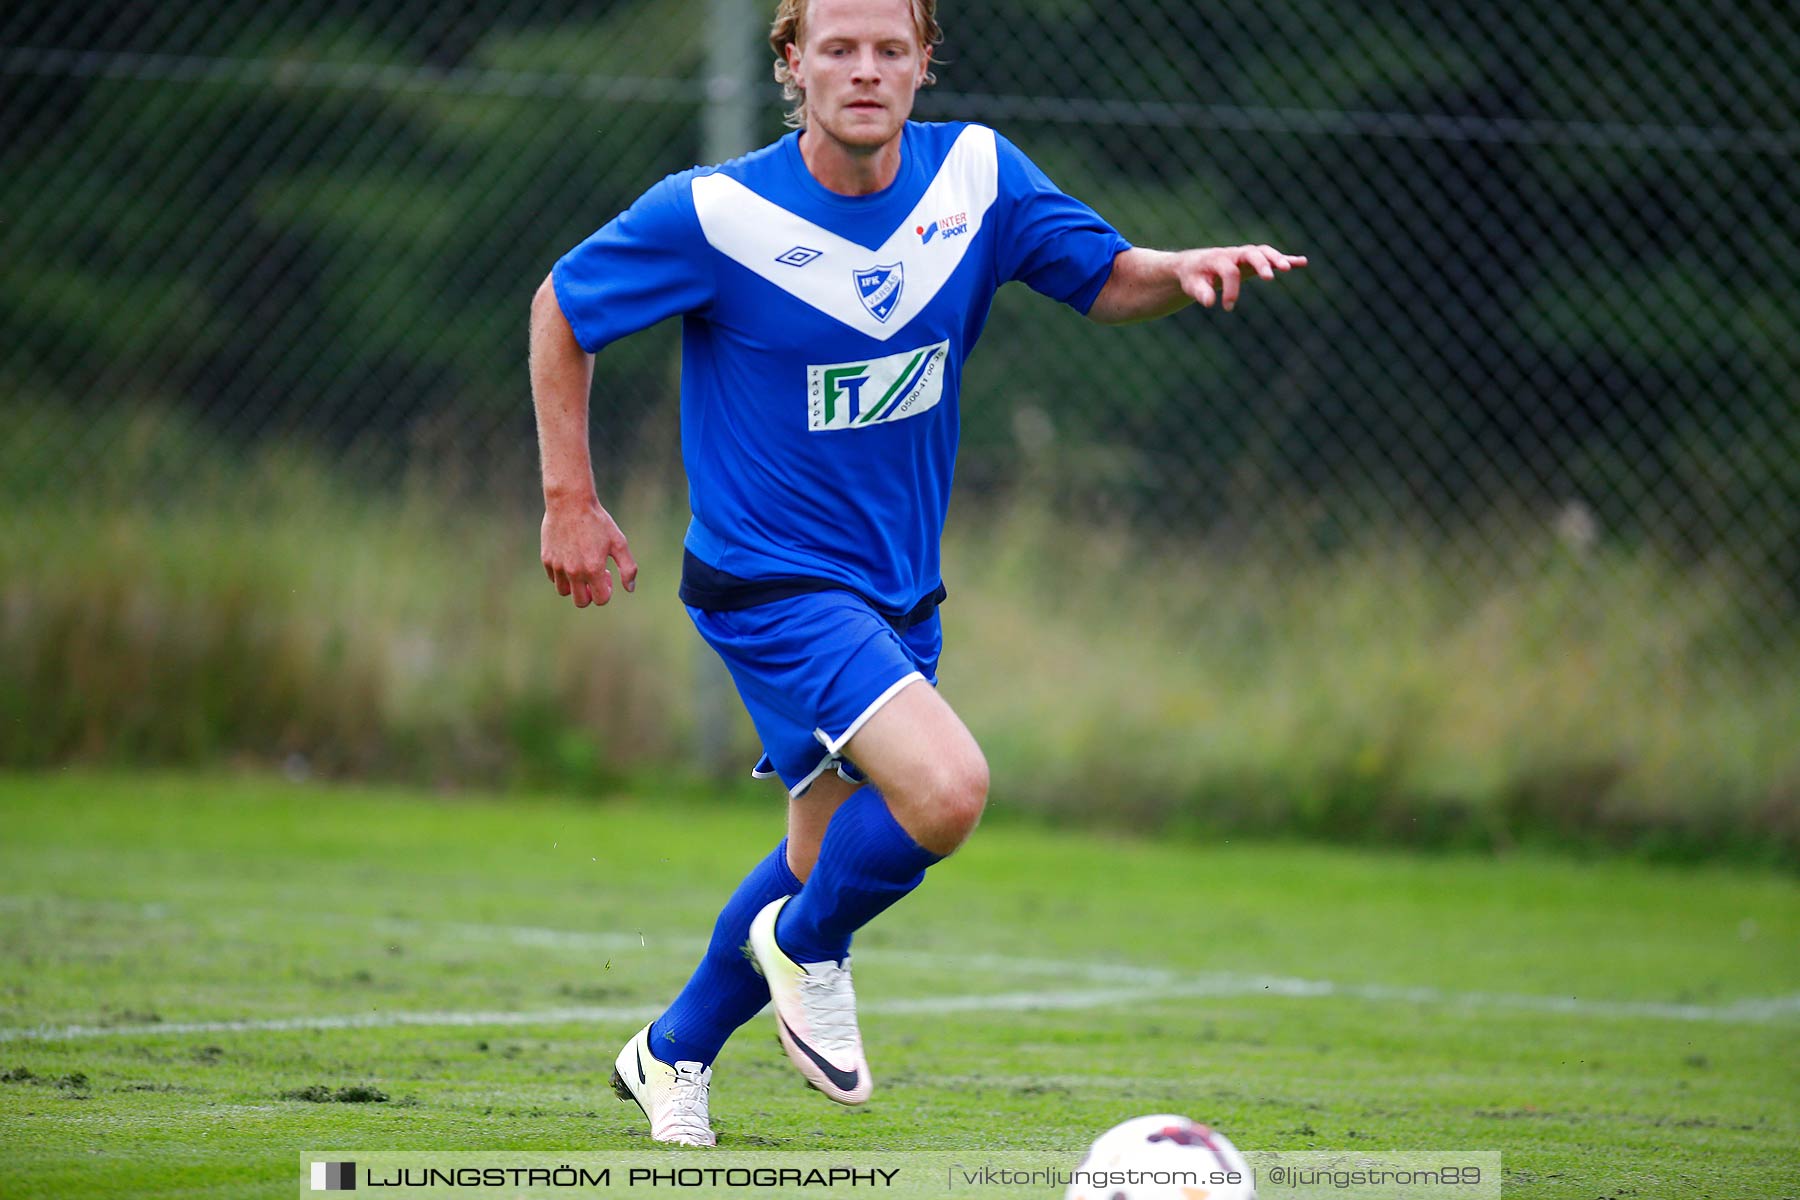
(812, 669)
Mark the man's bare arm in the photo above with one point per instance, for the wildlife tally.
(1145, 284)
(578, 535)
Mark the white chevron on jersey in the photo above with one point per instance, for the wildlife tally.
(755, 232)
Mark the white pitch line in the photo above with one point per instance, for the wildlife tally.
(1214, 986)
(589, 940)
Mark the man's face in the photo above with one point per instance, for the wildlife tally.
(859, 66)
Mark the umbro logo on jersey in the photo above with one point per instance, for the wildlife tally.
(875, 391)
(949, 227)
(879, 288)
(799, 256)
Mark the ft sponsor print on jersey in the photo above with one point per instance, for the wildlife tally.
(875, 391)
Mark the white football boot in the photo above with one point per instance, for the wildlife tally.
(674, 1098)
(815, 1013)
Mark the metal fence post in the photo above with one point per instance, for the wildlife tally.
(728, 129)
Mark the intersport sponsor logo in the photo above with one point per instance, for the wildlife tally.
(954, 225)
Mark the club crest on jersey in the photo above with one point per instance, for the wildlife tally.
(878, 287)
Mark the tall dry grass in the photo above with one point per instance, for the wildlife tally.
(1497, 687)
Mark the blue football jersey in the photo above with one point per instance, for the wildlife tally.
(824, 337)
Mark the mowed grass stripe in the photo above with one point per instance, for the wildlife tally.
(584, 943)
(650, 862)
(1145, 985)
(1139, 982)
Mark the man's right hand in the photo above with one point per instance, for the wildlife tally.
(577, 540)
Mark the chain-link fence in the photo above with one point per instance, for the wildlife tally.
(1552, 299)
(1555, 248)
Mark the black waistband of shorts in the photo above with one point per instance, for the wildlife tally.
(705, 586)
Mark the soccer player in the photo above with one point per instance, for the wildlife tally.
(831, 286)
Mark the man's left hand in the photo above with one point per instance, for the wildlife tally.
(1218, 271)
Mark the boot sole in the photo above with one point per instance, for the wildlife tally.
(623, 1092)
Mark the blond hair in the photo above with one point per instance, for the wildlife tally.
(790, 29)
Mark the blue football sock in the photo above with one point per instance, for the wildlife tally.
(866, 863)
(725, 990)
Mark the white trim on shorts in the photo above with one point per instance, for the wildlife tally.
(825, 764)
(836, 745)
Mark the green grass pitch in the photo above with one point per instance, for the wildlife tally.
(1613, 1029)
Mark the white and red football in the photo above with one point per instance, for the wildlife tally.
(1162, 1157)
